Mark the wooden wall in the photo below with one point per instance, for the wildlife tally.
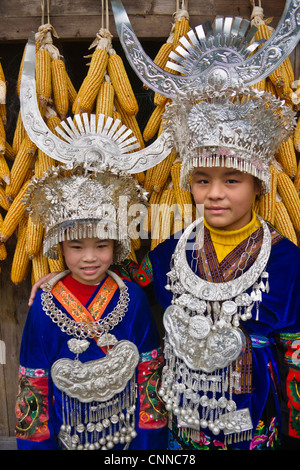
(77, 22)
(78, 19)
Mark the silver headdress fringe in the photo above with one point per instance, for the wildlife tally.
(238, 128)
(72, 202)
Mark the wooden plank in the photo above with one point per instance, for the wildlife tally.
(13, 312)
(150, 19)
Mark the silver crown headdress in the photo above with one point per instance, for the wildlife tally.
(72, 202)
(86, 198)
(215, 119)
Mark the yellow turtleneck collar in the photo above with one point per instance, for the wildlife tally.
(226, 240)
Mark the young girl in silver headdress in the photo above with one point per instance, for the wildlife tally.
(229, 286)
(90, 358)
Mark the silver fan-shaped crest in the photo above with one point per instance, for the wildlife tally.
(220, 58)
(93, 140)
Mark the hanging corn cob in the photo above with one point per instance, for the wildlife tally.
(3, 252)
(297, 179)
(287, 157)
(121, 84)
(105, 99)
(163, 225)
(57, 264)
(283, 222)
(20, 263)
(40, 266)
(3, 200)
(60, 87)
(297, 136)
(34, 238)
(13, 215)
(183, 198)
(21, 165)
(266, 206)
(88, 91)
(161, 172)
(290, 198)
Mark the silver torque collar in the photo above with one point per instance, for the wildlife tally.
(209, 291)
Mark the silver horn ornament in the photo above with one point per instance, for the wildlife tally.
(219, 58)
(94, 141)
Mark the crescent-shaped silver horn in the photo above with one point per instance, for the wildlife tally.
(244, 69)
(101, 145)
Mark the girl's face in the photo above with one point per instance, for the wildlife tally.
(88, 258)
(227, 195)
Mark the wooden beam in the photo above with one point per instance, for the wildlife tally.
(81, 19)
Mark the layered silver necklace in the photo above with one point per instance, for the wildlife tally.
(203, 341)
(98, 397)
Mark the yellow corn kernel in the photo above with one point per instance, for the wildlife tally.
(20, 167)
(13, 215)
(164, 221)
(9, 153)
(42, 164)
(3, 200)
(90, 86)
(43, 76)
(283, 222)
(290, 198)
(297, 136)
(20, 263)
(120, 81)
(181, 28)
(162, 56)
(3, 113)
(152, 210)
(52, 122)
(183, 198)
(4, 170)
(266, 206)
(21, 71)
(40, 266)
(261, 85)
(162, 171)
(105, 100)
(35, 233)
(287, 157)
(297, 179)
(153, 123)
(72, 93)
(57, 265)
(19, 134)
(60, 87)
(3, 252)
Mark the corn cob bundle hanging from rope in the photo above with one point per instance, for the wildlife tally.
(163, 225)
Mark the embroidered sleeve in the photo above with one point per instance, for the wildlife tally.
(142, 274)
(32, 405)
(291, 343)
(152, 412)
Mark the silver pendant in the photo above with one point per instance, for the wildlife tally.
(97, 380)
(198, 343)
